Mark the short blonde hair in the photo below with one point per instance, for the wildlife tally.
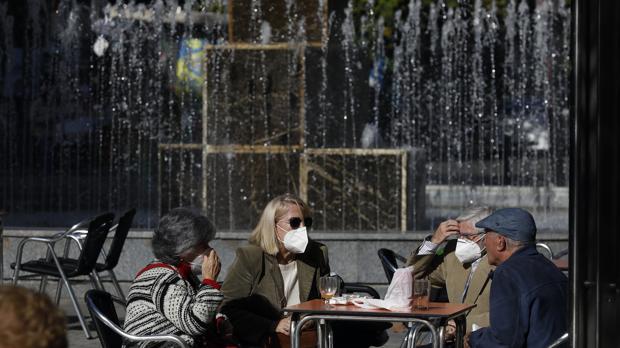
(264, 234)
(30, 320)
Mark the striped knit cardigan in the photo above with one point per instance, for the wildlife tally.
(164, 300)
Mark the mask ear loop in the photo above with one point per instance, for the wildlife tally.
(277, 238)
(483, 249)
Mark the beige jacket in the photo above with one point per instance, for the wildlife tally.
(444, 269)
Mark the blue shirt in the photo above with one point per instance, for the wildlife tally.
(528, 303)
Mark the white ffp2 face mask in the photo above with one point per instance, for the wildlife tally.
(197, 265)
(467, 251)
(296, 240)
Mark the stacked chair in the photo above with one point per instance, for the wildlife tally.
(112, 256)
(89, 235)
(57, 267)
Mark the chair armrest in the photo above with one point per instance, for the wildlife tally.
(112, 326)
(49, 242)
(546, 248)
(23, 242)
(77, 238)
(159, 338)
(560, 254)
(559, 341)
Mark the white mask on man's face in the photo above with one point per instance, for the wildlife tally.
(467, 251)
(296, 240)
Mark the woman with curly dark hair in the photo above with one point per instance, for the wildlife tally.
(167, 297)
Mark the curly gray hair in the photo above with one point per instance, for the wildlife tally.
(180, 230)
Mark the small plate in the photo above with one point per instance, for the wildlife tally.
(345, 299)
(338, 300)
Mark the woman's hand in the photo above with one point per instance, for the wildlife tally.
(211, 265)
(284, 326)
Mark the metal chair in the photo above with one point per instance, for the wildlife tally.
(121, 230)
(545, 250)
(55, 266)
(355, 288)
(101, 307)
(560, 341)
(389, 261)
(560, 254)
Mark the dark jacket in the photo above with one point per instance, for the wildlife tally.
(254, 289)
(528, 303)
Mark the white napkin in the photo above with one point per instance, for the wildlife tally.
(398, 294)
(373, 303)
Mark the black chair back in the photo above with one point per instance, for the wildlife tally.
(120, 235)
(356, 288)
(93, 243)
(98, 300)
(352, 288)
(388, 261)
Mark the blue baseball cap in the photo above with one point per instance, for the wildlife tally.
(514, 223)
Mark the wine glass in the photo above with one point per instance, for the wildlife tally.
(328, 286)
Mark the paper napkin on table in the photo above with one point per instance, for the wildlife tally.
(398, 295)
(370, 303)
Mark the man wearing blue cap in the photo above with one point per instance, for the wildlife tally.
(529, 294)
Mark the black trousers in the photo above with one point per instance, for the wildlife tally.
(359, 334)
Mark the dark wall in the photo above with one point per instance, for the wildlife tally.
(594, 193)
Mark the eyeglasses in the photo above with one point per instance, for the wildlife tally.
(295, 222)
(472, 235)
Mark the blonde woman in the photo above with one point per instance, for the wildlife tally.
(280, 267)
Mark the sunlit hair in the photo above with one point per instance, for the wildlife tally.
(475, 214)
(264, 234)
(29, 319)
(180, 230)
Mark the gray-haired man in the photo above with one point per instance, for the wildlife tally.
(529, 293)
(460, 265)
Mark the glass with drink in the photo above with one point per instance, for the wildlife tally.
(421, 293)
(328, 286)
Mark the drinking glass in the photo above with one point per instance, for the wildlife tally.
(421, 292)
(328, 286)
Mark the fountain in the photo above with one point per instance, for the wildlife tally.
(223, 105)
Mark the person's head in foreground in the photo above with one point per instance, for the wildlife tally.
(183, 236)
(507, 230)
(282, 228)
(29, 319)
